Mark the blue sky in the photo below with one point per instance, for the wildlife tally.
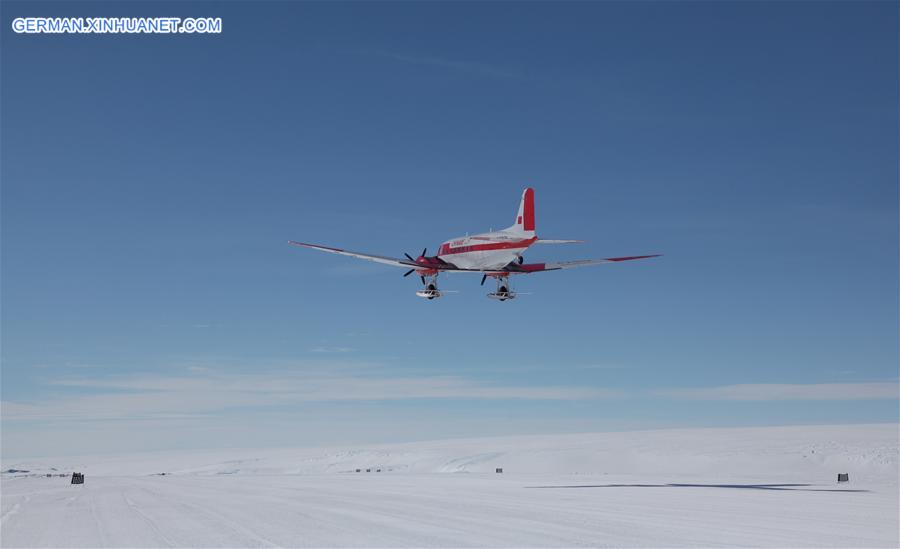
(150, 184)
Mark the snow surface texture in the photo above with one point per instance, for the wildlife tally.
(772, 486)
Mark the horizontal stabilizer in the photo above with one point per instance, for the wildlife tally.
(556, 241)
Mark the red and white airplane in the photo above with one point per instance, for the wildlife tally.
(497, 254)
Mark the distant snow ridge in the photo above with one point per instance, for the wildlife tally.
(470, 463)
(867, 452)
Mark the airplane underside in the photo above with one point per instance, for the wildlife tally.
(503, 292)
(483, 261)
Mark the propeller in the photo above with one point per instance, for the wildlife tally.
(483, 278)
(409, 257)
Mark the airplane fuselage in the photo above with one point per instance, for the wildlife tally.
(485, 251)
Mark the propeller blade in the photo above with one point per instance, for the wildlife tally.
(409, 272)
(409, 257)
(423, 280)
(483, 279)
(424, 251)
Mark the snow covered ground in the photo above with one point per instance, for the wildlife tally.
(771, 486)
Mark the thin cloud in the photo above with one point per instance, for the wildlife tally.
(785, 391)
(440, 62)
(331, 350)
(602, 367)
(145, 397)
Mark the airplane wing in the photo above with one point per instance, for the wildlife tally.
(557, 241)
(512, 268)
(538, 267)
(376, 258)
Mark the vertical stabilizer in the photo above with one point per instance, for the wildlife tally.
(525, 218)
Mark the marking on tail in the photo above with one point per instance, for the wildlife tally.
(525, 217)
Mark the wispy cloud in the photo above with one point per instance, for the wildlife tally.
(785, 391)
(205, 392)
(440, 62)
(611, 366)
(330, 350)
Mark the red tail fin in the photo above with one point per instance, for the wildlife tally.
(525, 217)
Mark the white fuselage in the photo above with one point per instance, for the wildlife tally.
(486, 251)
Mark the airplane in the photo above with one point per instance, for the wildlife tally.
(495, 254)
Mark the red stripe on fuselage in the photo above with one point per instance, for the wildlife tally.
(447, 250)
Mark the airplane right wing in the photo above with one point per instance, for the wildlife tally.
(376, 258)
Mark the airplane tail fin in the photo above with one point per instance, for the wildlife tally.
(525, 218)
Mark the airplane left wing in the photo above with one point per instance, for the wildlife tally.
(557, 241)
(376, 258)
(538, 267)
